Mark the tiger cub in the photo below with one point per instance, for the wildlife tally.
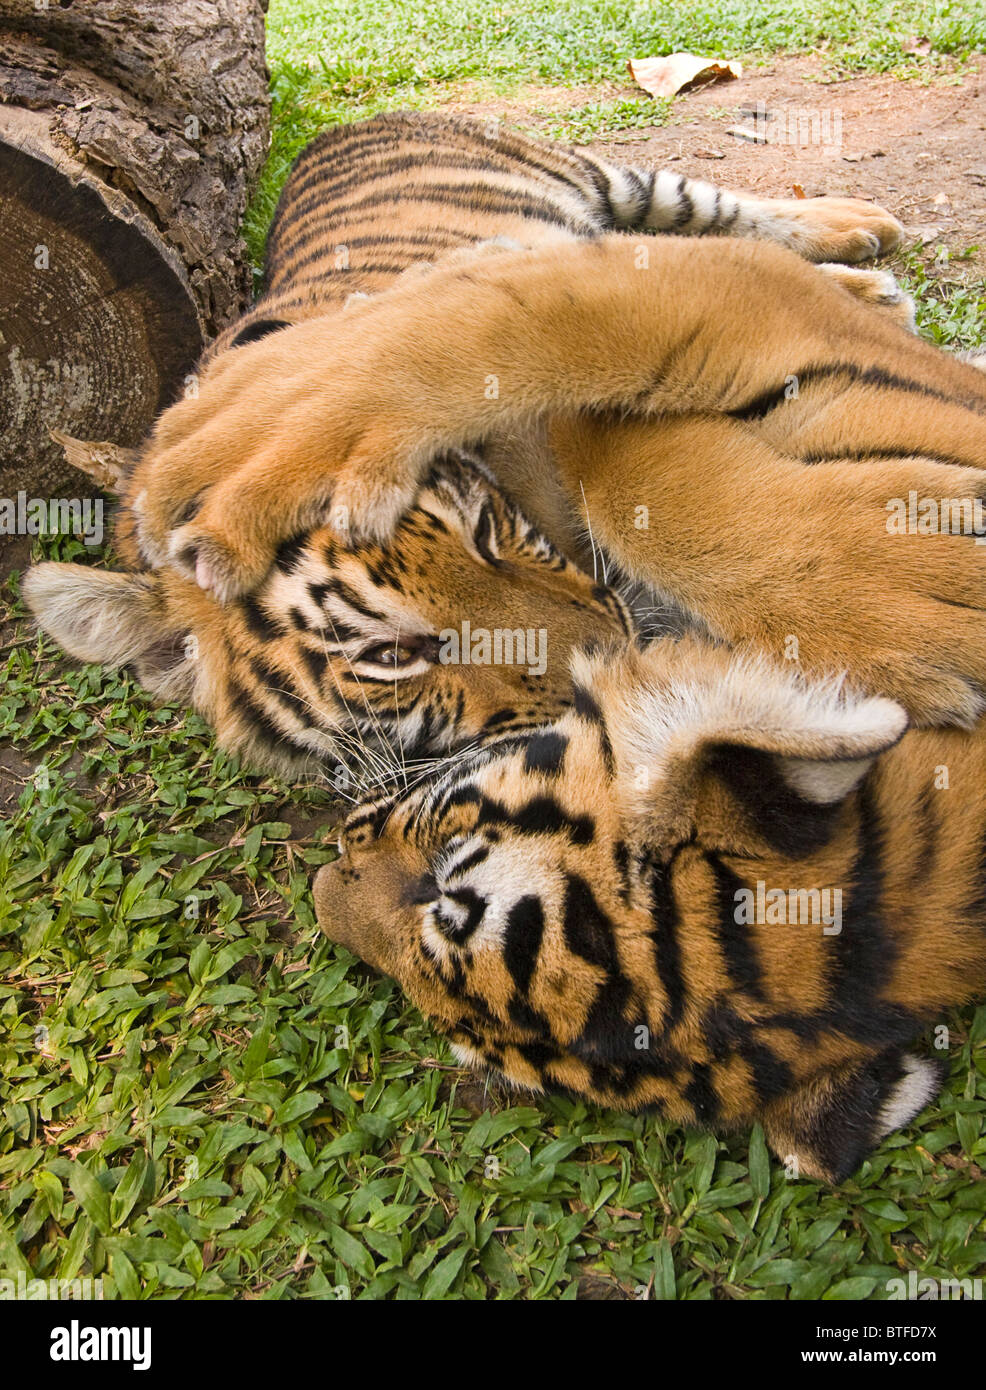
(710, 889)
(740, 363)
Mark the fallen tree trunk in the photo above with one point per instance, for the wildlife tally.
(131, 135)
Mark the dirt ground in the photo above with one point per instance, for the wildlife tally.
(918, 150)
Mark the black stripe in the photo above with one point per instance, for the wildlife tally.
(664, 936)
(585, 705)
(476, 197)
(772, 1076)
(587, 929)
(856, 454)
(737, 940)
(789, 823)
(258, 329)
(316, 660)
(757, 407)
(530, 1019)
(523, 934)
(280, 686)
(686, 208)
(702, 1096)
(485, 534)
(545, 753)
(260, 723)
(478, 855)
(475, 906)
(586, 708)
(291, 552)
(418, 246)
(341, 590)
(865, 951)
(608, 1035)
(540, 816)
(259, 621)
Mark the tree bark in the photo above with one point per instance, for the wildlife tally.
(131, 136)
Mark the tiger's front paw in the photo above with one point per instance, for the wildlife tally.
(243, 524)
(839, 229)
(238, 535)
(218, 562)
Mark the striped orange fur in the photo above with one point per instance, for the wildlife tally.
(709, 889)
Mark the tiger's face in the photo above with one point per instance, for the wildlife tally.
(522, 893)
(357, 662)
(564, 903)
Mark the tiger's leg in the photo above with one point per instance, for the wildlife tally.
(797, 560)
(826, 1129)
(876, 287)
(343, 418)
(818, 229)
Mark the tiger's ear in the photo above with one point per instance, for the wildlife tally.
(829, 1125)
(109, 465)
(732, 744)
(113, 619)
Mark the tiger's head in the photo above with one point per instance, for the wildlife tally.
(519, 893)
(564, 903)
(354, 661)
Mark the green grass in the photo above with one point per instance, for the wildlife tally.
(202, 1097)
(614, 120)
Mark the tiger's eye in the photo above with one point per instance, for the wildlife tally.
(395, 656)
(389, 654)
(407, 653)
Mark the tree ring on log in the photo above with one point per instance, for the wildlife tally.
(97, 318)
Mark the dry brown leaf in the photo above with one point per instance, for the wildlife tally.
(798, 190)
(680, 72)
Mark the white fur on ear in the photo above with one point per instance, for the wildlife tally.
(824, 738)
(917, 1088)
(824, 783)
(95, 615)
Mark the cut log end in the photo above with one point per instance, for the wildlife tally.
(97, 322)
(131, 134)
